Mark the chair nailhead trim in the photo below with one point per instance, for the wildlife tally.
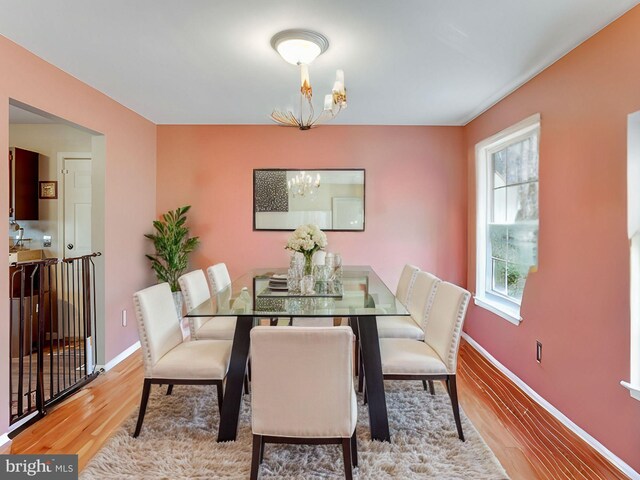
(427, 310)
(410, 287)
(189, 303)
(455, 339)
(212, 280)
(144, 338)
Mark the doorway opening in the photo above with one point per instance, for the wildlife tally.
(56, 272)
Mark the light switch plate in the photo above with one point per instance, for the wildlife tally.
(46, 241)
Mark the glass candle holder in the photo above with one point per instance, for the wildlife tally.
(293, 279)
(307, 285)
(337, 267)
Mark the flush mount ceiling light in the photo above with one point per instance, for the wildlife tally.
(301, 47)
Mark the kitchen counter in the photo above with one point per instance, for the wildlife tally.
(26, 256)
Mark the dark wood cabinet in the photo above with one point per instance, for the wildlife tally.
(30, 301)
(23, 190)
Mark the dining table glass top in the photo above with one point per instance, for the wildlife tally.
(360, 293)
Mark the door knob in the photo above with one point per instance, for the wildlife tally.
(70, 246)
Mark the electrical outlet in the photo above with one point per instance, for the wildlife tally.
(124, 318)
(46, 241)
(538, 352)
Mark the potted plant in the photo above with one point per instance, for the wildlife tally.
(173, 246)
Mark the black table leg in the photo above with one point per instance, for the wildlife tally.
(370, 348)
(233, 390)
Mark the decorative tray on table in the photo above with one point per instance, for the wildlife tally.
(277, 287)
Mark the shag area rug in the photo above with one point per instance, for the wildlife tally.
(178, 441)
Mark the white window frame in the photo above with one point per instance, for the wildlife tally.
(501, 306)
(633, 227)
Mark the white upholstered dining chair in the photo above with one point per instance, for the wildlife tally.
(218, 276)
(223, 327)
(405, 283)
(435, 357)
(195, 291)
(415, 291)
(168, 359)
(416, 299)
(303, 390)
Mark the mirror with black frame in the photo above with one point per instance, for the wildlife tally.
(285, 199)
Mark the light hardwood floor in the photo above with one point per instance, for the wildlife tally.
(527, 440)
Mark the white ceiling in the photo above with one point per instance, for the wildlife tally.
(406, 62)
(18, 115)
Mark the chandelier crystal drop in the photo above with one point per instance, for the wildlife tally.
(301, 47)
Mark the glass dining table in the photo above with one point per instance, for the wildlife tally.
(360, 296)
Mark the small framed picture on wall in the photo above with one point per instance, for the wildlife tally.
(48, 190)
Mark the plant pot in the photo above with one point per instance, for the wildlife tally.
(177, 300)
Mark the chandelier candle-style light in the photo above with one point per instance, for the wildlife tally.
(301, 47)
(302, 184)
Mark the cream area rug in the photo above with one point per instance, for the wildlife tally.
(178, 441)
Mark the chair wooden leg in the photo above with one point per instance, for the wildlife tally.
(424, 384)
(262, 450)
(346, 456)
(453, 393)
(146, 389)
(360, 373)
(169, 389)
(220, 396)
(432, 389)
(246, 384)
(255, 457)
(354, 449)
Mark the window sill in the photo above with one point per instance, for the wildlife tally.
(509, 314)
(634, 390)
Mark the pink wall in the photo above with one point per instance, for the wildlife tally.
(415, 192)
(129, 183)
(419, 190)
(577, 304)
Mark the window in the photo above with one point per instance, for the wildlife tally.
(633, 212)
(507, 217)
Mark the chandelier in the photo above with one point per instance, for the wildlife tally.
(302, 184)
(301, 47)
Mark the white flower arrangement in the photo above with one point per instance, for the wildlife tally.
(307, 239)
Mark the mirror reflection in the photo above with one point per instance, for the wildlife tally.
(331, 199)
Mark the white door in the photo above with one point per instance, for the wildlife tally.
(77, 207)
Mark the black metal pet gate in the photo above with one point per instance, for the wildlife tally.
(52, 330)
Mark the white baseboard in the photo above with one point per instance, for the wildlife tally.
(119, 358)
(604, 451)
(5, 437)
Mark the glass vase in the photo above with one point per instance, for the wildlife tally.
(308, 263)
